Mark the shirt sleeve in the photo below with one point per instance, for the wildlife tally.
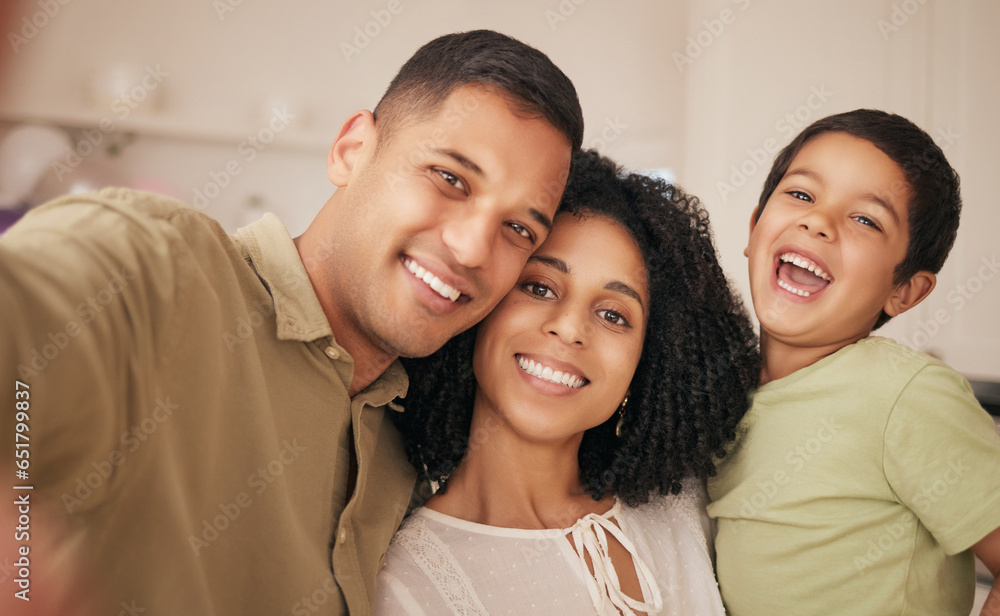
(942, 458)
(79, 310)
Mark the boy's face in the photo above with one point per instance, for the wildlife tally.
(823, 252)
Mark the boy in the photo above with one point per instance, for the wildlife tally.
(865, 471)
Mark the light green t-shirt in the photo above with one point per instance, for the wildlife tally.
(857, 486)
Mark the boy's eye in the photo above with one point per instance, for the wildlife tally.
(451, 178)
(867, 222)
(798, 194)
(615, 318)
(538, 289)
(522, 231)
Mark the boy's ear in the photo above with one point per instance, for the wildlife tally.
(356, 133)
(753, 224)
(910, 293)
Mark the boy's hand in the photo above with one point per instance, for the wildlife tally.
(988, 551)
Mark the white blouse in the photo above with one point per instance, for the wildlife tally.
(438, 564)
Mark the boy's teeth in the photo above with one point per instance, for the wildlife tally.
(805, 264)
(548, 374)
(431, 280)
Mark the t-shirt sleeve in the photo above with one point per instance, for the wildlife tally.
(79, 308)
(942, 458)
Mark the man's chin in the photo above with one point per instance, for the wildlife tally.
(415, 340)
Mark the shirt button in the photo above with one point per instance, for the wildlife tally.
(332, 353)
(342, 536)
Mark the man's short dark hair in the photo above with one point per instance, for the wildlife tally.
(525, 76)
(935, 203)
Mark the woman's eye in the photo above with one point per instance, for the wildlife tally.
(539, 289)
(522, 231)
(614, 318)
(801, 196)
(451, 178)
(867, 222)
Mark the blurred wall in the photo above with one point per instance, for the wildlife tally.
(231, 105)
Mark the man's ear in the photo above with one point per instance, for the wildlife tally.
(356, 133)
(753, 224)
(910, 293)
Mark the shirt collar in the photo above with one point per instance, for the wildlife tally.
(269, 248)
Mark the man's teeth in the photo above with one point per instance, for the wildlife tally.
(433, 281)
(784, 285)
(805, 264)
(548, 374)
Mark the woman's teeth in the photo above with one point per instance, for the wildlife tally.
(548, 374)
(784, 285)
(431, 280)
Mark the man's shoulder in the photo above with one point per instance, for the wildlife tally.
(117, 205)
(122, 221)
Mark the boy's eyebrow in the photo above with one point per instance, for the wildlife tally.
(869, 196)
(879, 201)
(615, 285)
(539, 216)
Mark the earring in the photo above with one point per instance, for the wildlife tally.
(621, 418)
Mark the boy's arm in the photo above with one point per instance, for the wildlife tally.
(988, 551)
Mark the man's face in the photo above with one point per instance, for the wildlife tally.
(441, 220)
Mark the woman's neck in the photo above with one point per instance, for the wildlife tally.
(507, 481)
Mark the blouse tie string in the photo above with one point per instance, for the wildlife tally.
(590, 539)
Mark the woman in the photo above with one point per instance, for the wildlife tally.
(570, 432)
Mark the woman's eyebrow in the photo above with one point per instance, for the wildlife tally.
(620, 287)
(558, 264)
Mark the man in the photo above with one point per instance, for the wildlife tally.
(208, 413)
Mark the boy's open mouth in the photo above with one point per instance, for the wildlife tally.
(801, 276)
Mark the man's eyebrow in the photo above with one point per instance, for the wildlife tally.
(621, 287)
(461, 159)
(541, 219)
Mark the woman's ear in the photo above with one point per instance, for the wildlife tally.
(753, 224)
(910, 293)
(357, 133)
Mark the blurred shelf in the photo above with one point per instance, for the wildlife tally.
(289, 139)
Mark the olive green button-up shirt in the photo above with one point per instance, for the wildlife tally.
(190, 425)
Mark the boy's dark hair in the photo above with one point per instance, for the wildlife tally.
(691, 387)
(524, 75)
(935, 202)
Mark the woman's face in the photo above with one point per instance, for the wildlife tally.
(556, 356)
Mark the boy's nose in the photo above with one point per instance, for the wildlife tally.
(818, 222)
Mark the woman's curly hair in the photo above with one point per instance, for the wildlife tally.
(691, 386)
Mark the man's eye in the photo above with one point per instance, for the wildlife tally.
(451, 178)
(522, 231)
(539, 289)
(614, 318)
